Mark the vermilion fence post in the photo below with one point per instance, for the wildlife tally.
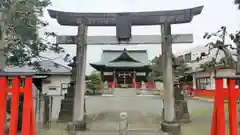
(31, 109)
(3, 103)
(26, 110)
(28, 120)
(221, 111)
(232, 107)
(218, 118)
(14, 106)
(28, 125)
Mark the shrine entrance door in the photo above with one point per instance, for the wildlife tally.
(124, 79)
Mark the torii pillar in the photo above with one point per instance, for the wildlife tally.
(123, 23)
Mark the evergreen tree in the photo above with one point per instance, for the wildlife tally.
(95, 82)
(21, 23)
(179, 67)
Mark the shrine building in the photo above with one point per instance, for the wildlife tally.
(124, 68)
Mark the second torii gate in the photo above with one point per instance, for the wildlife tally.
(123, 23)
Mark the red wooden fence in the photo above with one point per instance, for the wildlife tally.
(28, 123)
(28, 120)
(220, 95)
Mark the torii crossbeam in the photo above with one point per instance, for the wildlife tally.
(136, 39)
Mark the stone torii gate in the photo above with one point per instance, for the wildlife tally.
(123, 23)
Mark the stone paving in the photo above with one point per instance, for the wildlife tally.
(144, 113)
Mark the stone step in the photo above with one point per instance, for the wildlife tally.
(125, 92)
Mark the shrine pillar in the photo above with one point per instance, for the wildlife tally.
(134, 79)
(114, 79)
(194, 81)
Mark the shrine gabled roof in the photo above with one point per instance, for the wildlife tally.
(123, 58)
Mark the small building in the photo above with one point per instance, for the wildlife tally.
(124, 68)
(53, 83)
(204, 79)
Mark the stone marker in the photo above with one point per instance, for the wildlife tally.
(123, 125)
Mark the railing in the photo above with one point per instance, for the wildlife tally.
(218, 118)
(208, 93)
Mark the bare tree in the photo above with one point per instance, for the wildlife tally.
(220, 45)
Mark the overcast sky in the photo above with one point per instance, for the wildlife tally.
(216, 13)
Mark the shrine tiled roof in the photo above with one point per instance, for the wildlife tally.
(53, 67)
(123, 58)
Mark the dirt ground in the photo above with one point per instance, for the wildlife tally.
(200, 125)
(144, 116)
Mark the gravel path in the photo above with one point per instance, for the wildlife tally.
(144, 113)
